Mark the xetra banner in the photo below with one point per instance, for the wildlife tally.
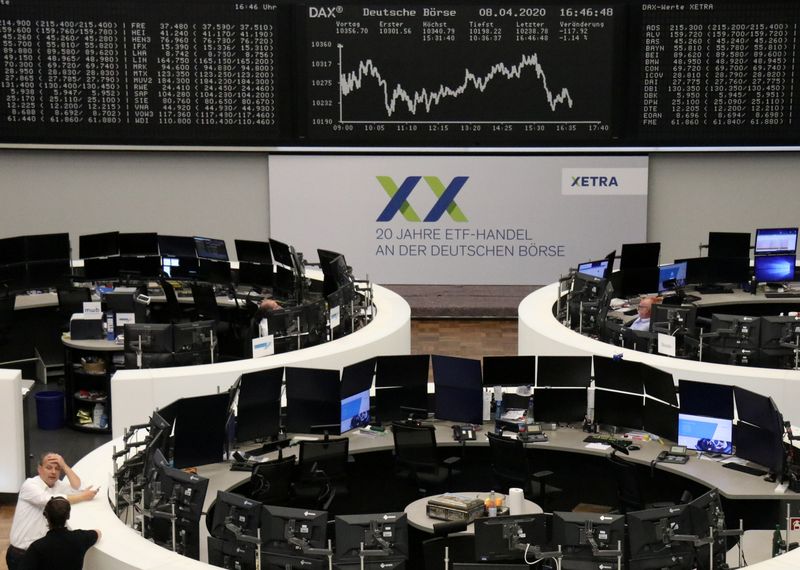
(459, 220)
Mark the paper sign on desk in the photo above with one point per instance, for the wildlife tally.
(92, 310)
(335, 317)
(666, 344)
(125, 319)
(263, 346)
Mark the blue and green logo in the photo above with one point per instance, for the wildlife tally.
(446, 198)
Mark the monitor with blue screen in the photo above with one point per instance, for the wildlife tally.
(774, 268)
(705, 433)
(594, 268)
(675, 273)
(776, 240)
(355, 411)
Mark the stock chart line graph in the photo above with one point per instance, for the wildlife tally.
(352, 81)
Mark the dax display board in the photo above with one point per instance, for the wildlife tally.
(304, 74)
(443, 220)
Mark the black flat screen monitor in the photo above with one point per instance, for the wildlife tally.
(509, 370)
(458, 389)
(224, 554)
(735, 331)
(355, 387)
(52, 273)
(561, 405)
(312, 398)
(241, 512)
(210, 248)
(659, 384)
(703, 514)
(661, 419)
(705, 433)
(640, 255)
(357, 377)
(253, 251)
(387, 532)
(760, 446)
(218, 272)
(258, 413)
(280, 523)
(696, 269)
(284, 284)
(282, 253)
(728, 244)
(733, 270)
(496, 537)
(619, 374)
(354, 411)
(15, 276)
(200, 430)
(672, 276)
(101, 269)
(181, 268)
(775, 330)
(193, 336)
(776, 240)
(98, 245)
(186, 490)
(677, 319)
(143, 267)
(44, 247)
(564, 371)
(774, 268)
(400, 381)
(138, 243)
(255, 274)
(569, 530)
(758, 410)
(638, 281)
(618, 409)
(176, 246)
(705, 399)
(148, 337)
(650, 537)
(597, 268)
(12, 250)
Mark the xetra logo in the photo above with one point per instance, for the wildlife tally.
(594, 182)
(324, 11)
(445, 198)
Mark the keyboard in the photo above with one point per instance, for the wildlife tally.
(744, 469)
(607, 440)
(782, 294)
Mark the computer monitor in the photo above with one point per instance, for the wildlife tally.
(235, 515)
(195, 336)
(354, 411)
(619, 374)
(761, 446)
(774, 268)
(509, 370)
(705, 433)
(258, 408)
(572, 530)
(776, 240)
(140, 267)
(651, 541)
(144, 243)
(232, 555)
(255, 274)
(661, 419)
(181, 268)
(355, 387)
(703, 513)
(282, 253)
(401, 382)
(210, 248)
(312, 398)
(285, 284)
(253, 251)
(733, 270)
(775, 332)
(673, 319)
(12, 250)
(217, 272)
(98, 245)
(659, 384)
(735, 331)
(200, 435)
(15, 276)
(458, 390)
(672, 276)
(186, 490)
(638, 281)
(176, 246)
(758, 410)
(560, 405)
(596, 269)
(640, 255)
(505, 538)
(385, 532)
(334, 269)
(314, 323)
(618, 409)
(563, 371)
(728, 244)
(44, 247)
(51, 273)
(148, 337)
(696, 269)
(101, 268)
(706, 399)
(286, 530)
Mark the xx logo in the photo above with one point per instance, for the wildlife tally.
(445, 198)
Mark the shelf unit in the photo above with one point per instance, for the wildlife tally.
(77, 379)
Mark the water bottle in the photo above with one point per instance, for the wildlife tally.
(529, 414)
(492, 510)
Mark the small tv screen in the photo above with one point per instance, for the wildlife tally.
(211, 248)
(355, 411)
(774, 268)
(705, 433)
(594, 268)
(672, 276)
(776, 240)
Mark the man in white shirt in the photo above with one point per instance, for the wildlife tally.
(29, 523)
(642, 322)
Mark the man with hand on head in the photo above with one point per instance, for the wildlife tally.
(29, 524)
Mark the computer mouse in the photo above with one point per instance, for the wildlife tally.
(633, 448)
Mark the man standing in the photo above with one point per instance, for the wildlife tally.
(59, 548)
(29, 524)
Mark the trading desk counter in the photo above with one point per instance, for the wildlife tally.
(123, 548)
(540, 333)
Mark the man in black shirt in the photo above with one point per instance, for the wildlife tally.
(59, 548)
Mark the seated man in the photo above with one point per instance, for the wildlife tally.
(642, 322)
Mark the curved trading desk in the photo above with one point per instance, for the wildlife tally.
(122, 548)
(540, 333)
(143, 391)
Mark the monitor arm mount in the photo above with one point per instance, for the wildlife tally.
(513, 532)
(301, 543)
(372, 535)
(588, 531)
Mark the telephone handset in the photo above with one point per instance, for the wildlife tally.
(463, 433)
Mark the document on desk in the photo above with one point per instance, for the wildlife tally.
(599, 446)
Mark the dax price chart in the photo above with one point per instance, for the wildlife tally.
(486, 75)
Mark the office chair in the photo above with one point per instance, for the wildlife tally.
(70, 301)
(175, 312)
(7, 300)
(629, 488)
(416, 456)
(271, 481)
(205, 302)
(511, 467)
(461, 548)
(322, 472)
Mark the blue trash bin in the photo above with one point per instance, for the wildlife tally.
(50, 410)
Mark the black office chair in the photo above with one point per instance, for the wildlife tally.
(174, 312)
(629, 488)
(511, 467)
(271, 481)
(70, 301)
(461, 548)
(417, 458)
(205, 302)
(321, 472)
